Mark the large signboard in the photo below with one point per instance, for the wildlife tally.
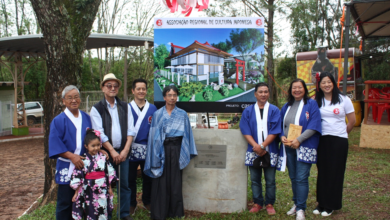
(214, 62)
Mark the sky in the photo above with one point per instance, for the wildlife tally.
(168, 36)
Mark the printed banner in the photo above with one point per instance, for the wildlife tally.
(214, 62)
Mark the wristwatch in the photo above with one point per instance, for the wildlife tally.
(262, 147)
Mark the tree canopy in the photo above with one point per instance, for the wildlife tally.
(224, 46)
(161, 53)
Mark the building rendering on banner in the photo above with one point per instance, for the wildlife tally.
(197, 63)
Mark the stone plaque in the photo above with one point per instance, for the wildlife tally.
(210, 156)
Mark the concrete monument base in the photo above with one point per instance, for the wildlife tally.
(221, 190)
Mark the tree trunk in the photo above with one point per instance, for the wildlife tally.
(5, 19)
(66, 26)
(270, 52)
(17, 17)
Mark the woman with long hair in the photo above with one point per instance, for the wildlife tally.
(333, 146)
(300, 153)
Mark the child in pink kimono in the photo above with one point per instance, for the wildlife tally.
(93, 198)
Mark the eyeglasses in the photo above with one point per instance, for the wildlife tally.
(109, 86)
(76, 98)
(171, 95)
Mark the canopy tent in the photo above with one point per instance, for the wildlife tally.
(372, 17)
(31, 47)
(373, 20)
(33, 44)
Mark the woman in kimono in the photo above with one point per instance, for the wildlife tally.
(333, 147)
(92, 184)
(299, 154)
(170, 148)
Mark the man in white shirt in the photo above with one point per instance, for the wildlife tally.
(114, 120)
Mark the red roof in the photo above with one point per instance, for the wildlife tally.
(196, 42)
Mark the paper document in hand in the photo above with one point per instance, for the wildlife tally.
(294, 131)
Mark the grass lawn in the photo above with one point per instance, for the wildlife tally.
(366, 191)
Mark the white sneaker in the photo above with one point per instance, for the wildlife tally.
(300, 215)
(292, 210)
(326, 213)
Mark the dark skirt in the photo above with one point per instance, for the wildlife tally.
(331, 163)
(167, 196)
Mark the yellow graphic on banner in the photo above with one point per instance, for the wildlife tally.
(304, 68)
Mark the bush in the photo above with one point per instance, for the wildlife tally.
(191, 88)
(224, 90)
(208, 94)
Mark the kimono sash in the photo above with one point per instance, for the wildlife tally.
(78, 138)
(296, 122)
(95, 175)
(262, 123)
(141, 116)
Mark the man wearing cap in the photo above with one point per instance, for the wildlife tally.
(260, 124)
(114, 120)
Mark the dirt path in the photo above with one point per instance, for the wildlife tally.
(21, 176)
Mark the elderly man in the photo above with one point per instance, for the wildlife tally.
(114, 120)
(260, 124)
(67, 131)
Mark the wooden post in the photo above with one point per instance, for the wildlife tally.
(125, 77)
(368, 86)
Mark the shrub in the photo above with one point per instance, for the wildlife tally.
(224, 90)
(208, 94)
(191, 88)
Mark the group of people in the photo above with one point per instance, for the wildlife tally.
(96, 151)
(324, 140)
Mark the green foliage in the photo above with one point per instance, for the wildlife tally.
(81, 4)
(315, 23)
(286, 68)
(224, 46)
(377, 68)
(247, 40)
(224, 90)
(36, 76)
(161, 52)
(188, 89)
(208, 93)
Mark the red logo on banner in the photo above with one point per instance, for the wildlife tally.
(159, 22)
(259, 22)
(336, 111)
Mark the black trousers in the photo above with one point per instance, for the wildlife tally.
(146, 184)
(167, 196)
(331, 163)
(64, 202)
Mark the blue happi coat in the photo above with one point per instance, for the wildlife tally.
(310, 118)
(62, 138)
(248, 126)
(142, 133)
(164, 125)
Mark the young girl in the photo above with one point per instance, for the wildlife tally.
(93, 196)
